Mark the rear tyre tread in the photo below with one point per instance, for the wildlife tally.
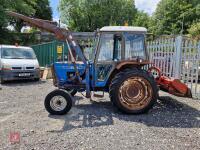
(120, 77)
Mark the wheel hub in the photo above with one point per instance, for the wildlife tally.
(58, 103)
(135, 93)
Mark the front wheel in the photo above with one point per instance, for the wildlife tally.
(133, 91)
(58, 102)
(37, 79)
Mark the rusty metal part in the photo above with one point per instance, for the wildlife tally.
(132, 62)
(135, 93)
(171, 85)
(42, 24)
(55, 83)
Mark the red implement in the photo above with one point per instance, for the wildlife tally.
(171, 85)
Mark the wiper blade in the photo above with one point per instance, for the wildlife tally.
(14, 58)
(17, 58)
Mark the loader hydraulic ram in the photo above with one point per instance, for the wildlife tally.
(119, 54)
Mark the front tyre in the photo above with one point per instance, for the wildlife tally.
(58, 102)
(37, 79)
(133, 91)
(2, 81)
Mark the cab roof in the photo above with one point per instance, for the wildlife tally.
(123, 29)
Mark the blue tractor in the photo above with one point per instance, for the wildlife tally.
(119, 56)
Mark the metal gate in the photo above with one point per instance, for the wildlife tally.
(178, 57)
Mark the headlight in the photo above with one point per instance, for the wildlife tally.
(6, 67)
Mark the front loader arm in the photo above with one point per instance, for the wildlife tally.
(60, 33)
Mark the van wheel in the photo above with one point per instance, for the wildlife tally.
(37, 79)
(2, 81)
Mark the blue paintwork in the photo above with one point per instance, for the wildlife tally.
(95, 82)
(108, 68)
(101, 83)
(61, 70)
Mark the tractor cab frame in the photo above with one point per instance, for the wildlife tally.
(118, 47)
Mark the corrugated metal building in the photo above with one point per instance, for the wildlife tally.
(51, 52)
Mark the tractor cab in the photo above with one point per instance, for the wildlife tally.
(117, 47)
(118, 43)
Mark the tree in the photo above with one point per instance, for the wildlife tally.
(43, 10)
(142, 19)
(194, 30)
(175, 16)
(88, 15)
(5, 20)
(35, 8)
(24, 7)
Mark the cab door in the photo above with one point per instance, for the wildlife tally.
(109, 51)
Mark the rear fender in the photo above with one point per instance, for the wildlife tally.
(122, 66)
(134, 63)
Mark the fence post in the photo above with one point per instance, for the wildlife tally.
(178, 57)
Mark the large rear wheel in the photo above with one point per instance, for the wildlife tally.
(133, 91)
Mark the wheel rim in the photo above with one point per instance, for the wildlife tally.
(58, 103)
(135, 93)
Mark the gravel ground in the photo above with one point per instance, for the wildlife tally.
(173, 123)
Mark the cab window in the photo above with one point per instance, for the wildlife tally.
(110, 47)
(134, 46)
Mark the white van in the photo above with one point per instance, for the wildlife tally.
(18, 62)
